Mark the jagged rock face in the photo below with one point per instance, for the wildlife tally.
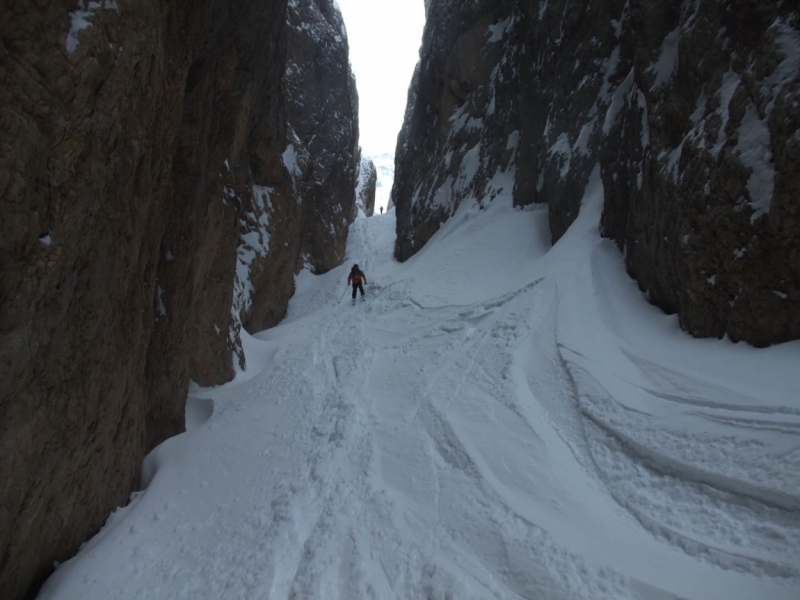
(705, 202)
(322, 111)
(696, 142)
(231, 129)
(367, 181)
(459, 136)
(318, 165)
(143, 166)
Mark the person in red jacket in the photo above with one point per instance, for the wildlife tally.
(356, 278)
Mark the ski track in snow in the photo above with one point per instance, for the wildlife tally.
(499, 419)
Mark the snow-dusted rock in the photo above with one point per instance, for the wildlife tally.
(691, 110)
(310, 197)
(367, 180)
(458, 141)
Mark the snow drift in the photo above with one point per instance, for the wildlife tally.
(499, 419)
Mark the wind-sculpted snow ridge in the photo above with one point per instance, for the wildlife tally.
(499, 419)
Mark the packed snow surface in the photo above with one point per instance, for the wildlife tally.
(499, 419)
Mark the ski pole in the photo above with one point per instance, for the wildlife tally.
(343, 293)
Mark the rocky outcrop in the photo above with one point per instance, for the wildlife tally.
(305, 203)
(696, 142)
(458, 141)
(322, 110)
(365, 191)
(227, 136)
(145, 161)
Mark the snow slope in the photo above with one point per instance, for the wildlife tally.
(499, 419)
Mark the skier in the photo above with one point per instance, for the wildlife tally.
(356, 277)
(381, 210)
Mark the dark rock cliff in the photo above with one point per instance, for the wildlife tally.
(305, 203)
(459, 137)
(690, 109)
(149, 207)
(367, 182)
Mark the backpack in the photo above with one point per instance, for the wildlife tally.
(357, 275)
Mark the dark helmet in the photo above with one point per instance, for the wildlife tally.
(355, 266)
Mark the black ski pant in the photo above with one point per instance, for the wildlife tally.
(357, 286)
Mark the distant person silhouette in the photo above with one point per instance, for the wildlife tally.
(381, 210)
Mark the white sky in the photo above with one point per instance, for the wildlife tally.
(384, 38)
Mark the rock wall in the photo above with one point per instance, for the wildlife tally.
(323, 109)
(459, 137)
(304, 202)
(232, 117)
(141, 144)
(367, 182)
(85, 196)
(689, 108)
